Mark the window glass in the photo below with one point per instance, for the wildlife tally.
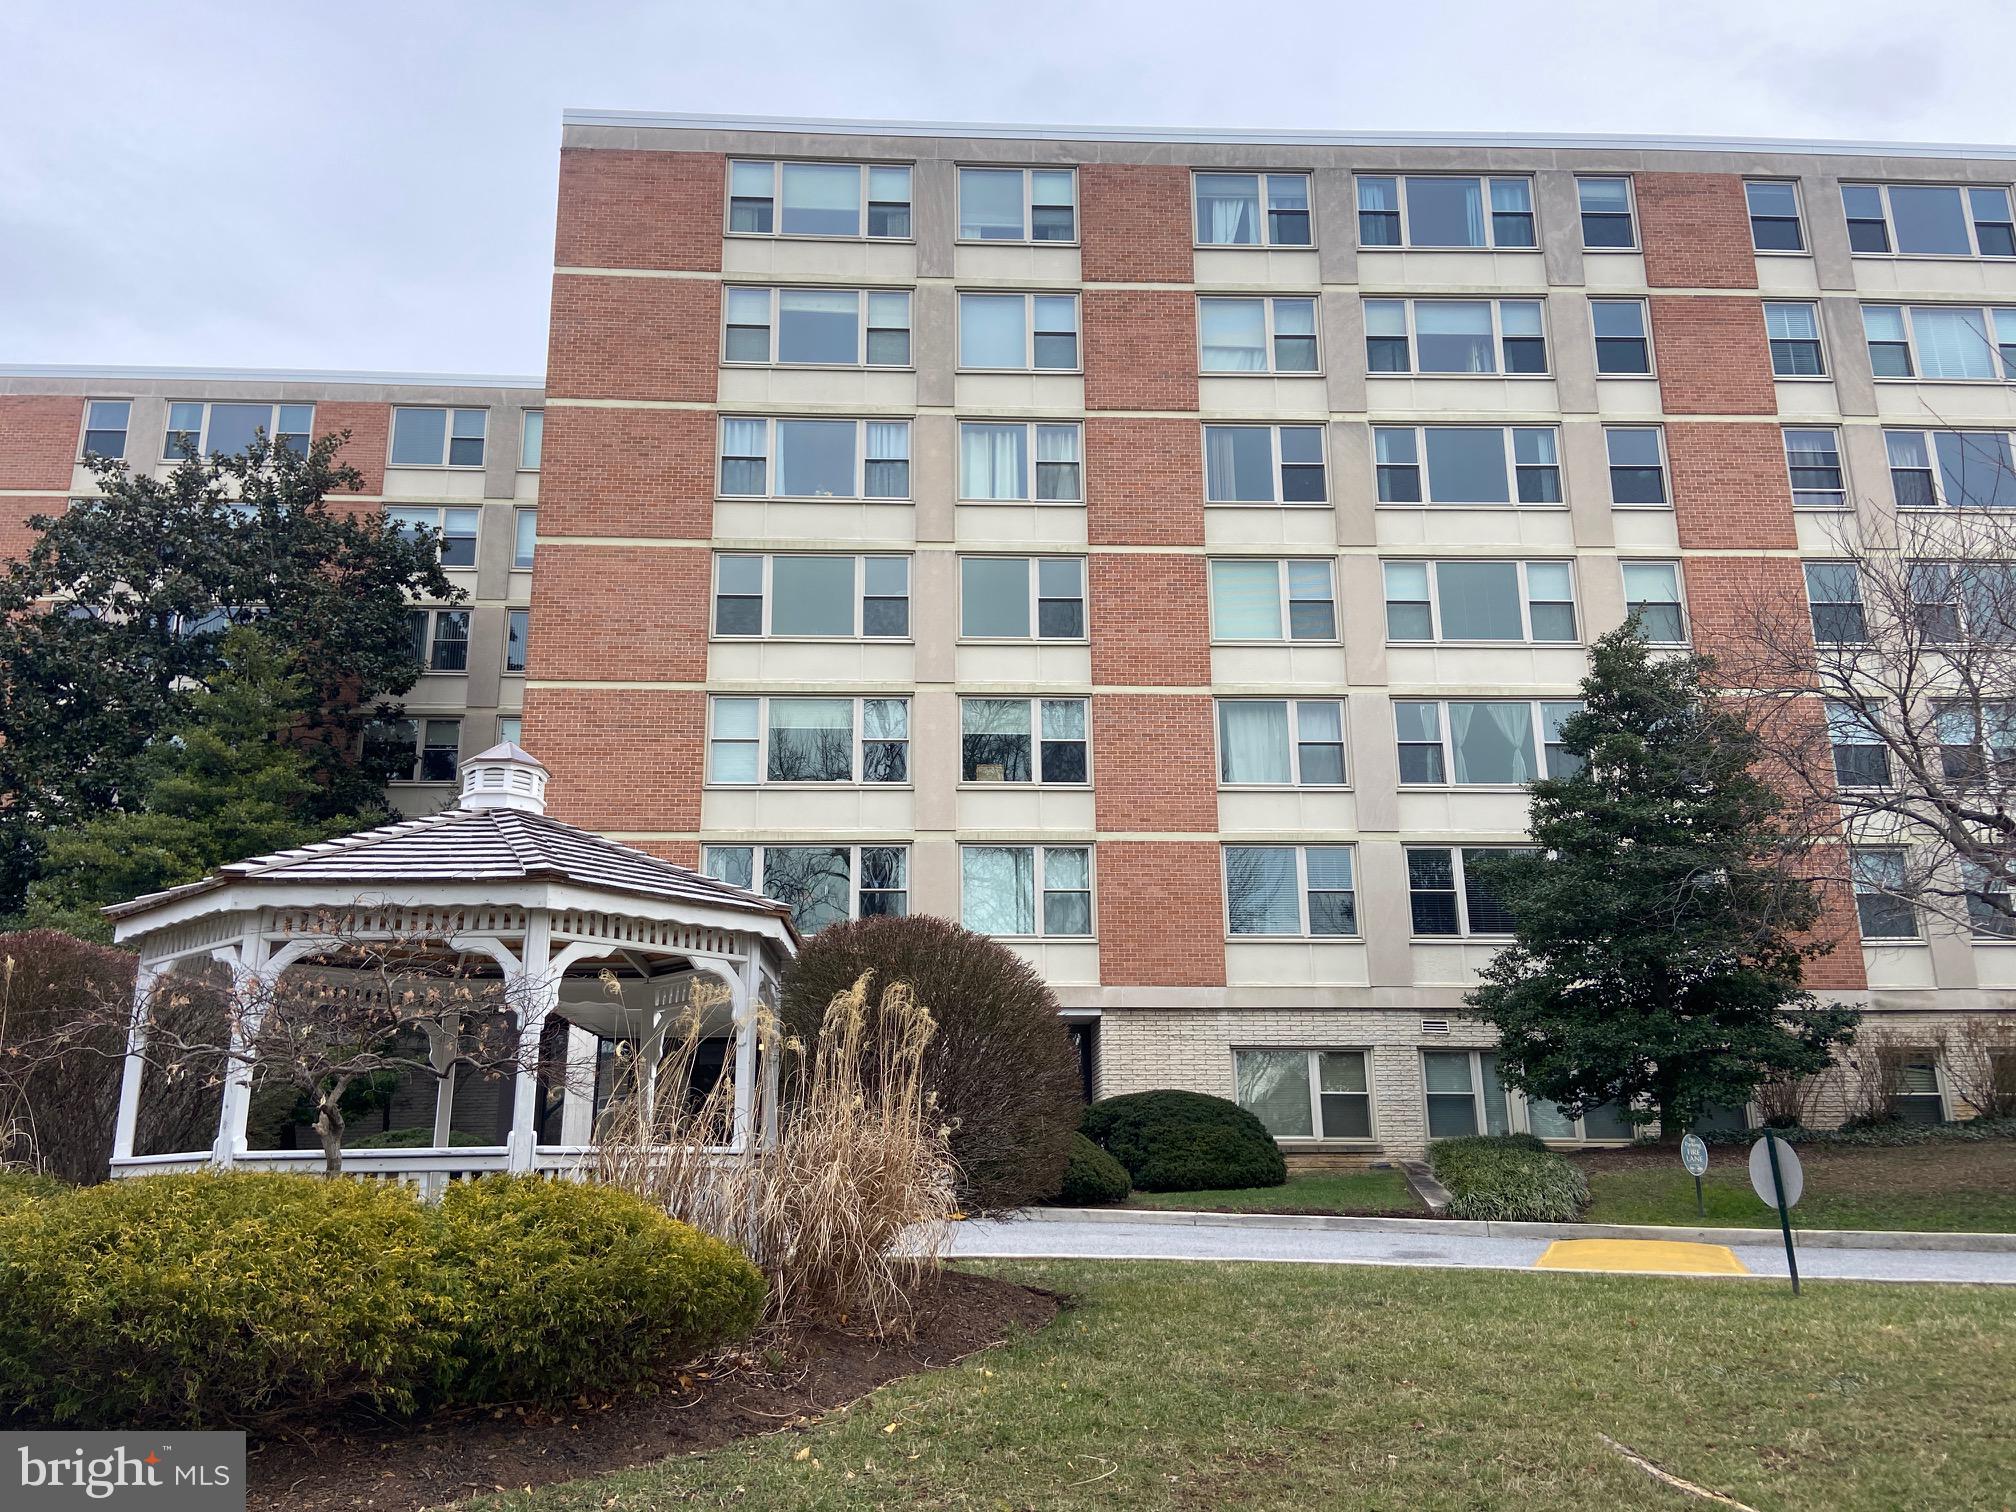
(993, 461)
(1445, 212)
(1067, 890)
(815, 458)
(821, 199)
(990, 204)
(819, 325)
(998, 889)
(1234, 335)
(1063, 732)
(1931, 221)
(1245, 600)
(994, 596)
(1261, 890)
(1452, 1101)
(1606, 212)
(105, 427)
(1652, 592)
(811, 740)
(1976, 469)
(1952, 342)
(532, 440)
(1344, 1094)
(1274, 1087)
(992, 331)
(418, 437)
(1479, 600)
(1466, 465)
(1453, 336)
(812, 595)
(1492, 742)
(816, 881)
(994, 739)
(233, 427)
(732, 752)
(1238, 463)
(1253, 741)
(1228, 209)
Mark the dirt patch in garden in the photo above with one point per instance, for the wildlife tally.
(393, 1467)
(1960, 1167)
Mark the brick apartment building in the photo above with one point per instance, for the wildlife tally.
(1167, 552)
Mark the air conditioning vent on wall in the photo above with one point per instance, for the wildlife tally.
(1434, 1026)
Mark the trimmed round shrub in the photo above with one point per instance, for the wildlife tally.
(1512, 1178)
(212, 1299)
(20, 1187)
(1172, 1141)
(568, 1287)
(1001, 1063)
(1091, 1176)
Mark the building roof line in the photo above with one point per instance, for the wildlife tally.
(1276, 136)
(270, 375)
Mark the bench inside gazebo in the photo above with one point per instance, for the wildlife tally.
(585, 953)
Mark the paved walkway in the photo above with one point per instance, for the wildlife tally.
(1122, 1240)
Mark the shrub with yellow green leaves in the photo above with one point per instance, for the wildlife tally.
(18, 1187)
(569, 1287)
(207, 1299)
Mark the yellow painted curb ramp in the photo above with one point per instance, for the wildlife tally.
(1645, 1255)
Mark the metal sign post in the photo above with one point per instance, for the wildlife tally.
(1776, 1176)
(1694, 1156)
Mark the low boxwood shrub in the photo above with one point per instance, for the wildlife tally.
(567, 1287)
(211, 1299)
(1508, 1177)
(19, 1187)
(1091, 1176)
(1173, 1141)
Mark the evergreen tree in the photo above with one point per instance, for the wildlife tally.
(1662, 923)
(223, 785)
(117, 615)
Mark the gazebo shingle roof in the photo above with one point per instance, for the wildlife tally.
(475, 845)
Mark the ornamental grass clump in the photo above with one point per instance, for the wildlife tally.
(1510, 1178)
(844, 1205)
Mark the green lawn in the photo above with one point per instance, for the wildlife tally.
(1943, 1186)
(1273, 1386)
(1317, 1192)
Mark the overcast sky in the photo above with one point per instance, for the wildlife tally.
(370, 185)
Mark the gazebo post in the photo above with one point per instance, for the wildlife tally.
(533, 997)
(249, 977)
(746, 1007)
(441, 1052)
(125, 1130)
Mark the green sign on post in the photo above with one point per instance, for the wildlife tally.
(1694, 1156)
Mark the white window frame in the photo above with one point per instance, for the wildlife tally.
(1665, 468)
(1507, 439)
(1264, 207)
(1445, 739)
(511, 728)
(1526, 599)
(1034, 577)
(759, 854)
(449, 412)
(405, 516)
(1040, 867)
(1876, 889)
(1460, 880)
(773, 460)
(170, 453)
(1283, 603)
(1750, 218)
(521, 617)
(1030, 461)
(524, 538)
(531, 439)
(777, 167)
(1630, 209)
(775, 331)
(1295, 744)
(1028, 237)
(125, 429)
(1645, 328)
(1409, 306)
(1302, 930)
(1998, 321)
(1314, 1077)
(1274, 465)
(1826, 373)
(769, 596)
(1037, 740)
(1273, 369)
(1478, 1114)
(420, 722)
(857, 740)
(1814, 606)
(1883, 188)
(1029, 331)
(429, 618)
(1678, 569)
(1926, 441)
(1483, 181)
(1840, 466)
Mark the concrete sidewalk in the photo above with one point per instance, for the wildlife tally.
(1424, 1242)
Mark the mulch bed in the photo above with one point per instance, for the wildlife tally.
(391, 1467)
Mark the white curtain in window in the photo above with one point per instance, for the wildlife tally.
(1379, 194)
(1246, 600)
(888, 440)
(998, 889)
(1493, 741)
(992, 462)
(742, 438)
(1228, 209)
(1235, 336)
(1253, 740)
(1952, 342)
(1221, 462)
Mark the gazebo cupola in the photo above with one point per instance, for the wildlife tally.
(589, 941)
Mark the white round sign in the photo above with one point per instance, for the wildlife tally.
(1694, 1155)
(1788, 1168)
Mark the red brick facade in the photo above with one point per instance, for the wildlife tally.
(641, 209)
(15, 513)
(1730, 487)
(1144, 481)
(1135, 223)
(1155, 773)
(620, 613)
(40, 436)
(1712, 356)
(634, 338)
(1150, 621)
(1695, 229)
(1161, 913)
(627, 472)
(1140, 349)
(621, 758)
(370, 443)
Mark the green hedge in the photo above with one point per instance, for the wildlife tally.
(1173, 1141)
(1091, 1176)
(19, 1187)
(576, 1288)
(218, 1299)
(1508, 1177)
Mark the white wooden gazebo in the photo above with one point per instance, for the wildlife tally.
(571, 925)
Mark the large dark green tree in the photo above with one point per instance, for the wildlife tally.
(1664, 921)
(117, 616)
